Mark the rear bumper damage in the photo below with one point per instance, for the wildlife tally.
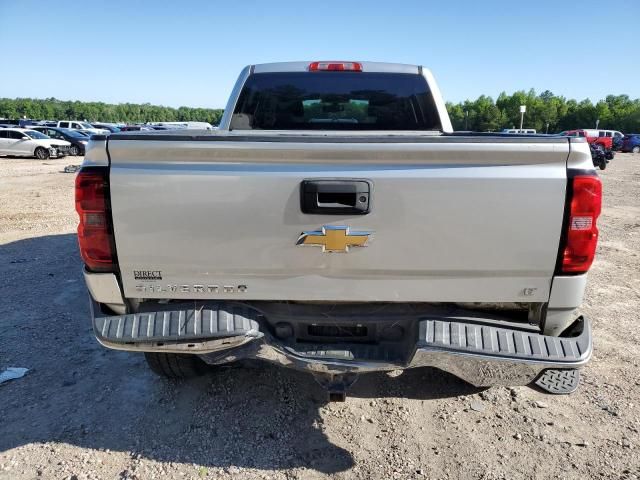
(481, 352)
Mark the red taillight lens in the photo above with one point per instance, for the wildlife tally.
(94, 230)
(335, 66)
(582, 232)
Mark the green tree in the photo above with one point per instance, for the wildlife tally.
(53, 109)
(616, 112)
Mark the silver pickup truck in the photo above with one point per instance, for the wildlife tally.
(335, 223)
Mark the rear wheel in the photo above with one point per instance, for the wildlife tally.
(41, 153)
(636, 149)
(175, 365)
(74, 151)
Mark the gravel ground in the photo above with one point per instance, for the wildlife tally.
(83, 411)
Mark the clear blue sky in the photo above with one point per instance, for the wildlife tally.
(190, 52)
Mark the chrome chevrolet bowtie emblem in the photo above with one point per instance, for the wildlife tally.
(334, 239)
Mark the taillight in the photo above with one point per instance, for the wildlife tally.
(335, 66)
(95, 234)
(581, 236)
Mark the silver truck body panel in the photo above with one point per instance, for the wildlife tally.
(96, 153)
(103, 287)
(452, 220)
(453, 265)
(566, 295)
(233, 98)
(567, 292)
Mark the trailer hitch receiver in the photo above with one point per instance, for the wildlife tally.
(336, 384)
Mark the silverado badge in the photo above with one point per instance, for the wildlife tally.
(334, 239)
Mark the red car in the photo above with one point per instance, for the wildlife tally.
(598, 137)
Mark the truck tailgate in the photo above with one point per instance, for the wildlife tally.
(452, 218)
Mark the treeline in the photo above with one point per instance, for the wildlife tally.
(615, 112)
(53, 109)
(545, 112)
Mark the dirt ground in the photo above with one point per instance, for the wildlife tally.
(84, 411)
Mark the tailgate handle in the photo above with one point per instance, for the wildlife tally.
(335, 197)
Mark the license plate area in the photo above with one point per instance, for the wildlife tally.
(371, 332)
(346, 332)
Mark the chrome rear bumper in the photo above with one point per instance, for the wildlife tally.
(478, 352)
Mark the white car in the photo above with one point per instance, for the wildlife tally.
(82, 126)
(527, 131)
(21, 142)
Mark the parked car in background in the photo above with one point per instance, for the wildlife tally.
(84, 133)
(616, 144)
(590, 135)
(107, 126)
(187, 125)
(145, 127)
(21, 142)
(135, 128)
(605, 138)
(574, 133)
(631, 143)
(87, 127)
(159, 127)
(20, 123)
(613, 137)
(520, 130)
(76, 138)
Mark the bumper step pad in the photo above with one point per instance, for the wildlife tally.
(559, 382)
(177, 325)
(497, 342)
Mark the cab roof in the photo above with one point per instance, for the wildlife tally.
(378, 67)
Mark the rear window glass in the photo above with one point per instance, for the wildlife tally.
(36, 134)
(335, 101)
